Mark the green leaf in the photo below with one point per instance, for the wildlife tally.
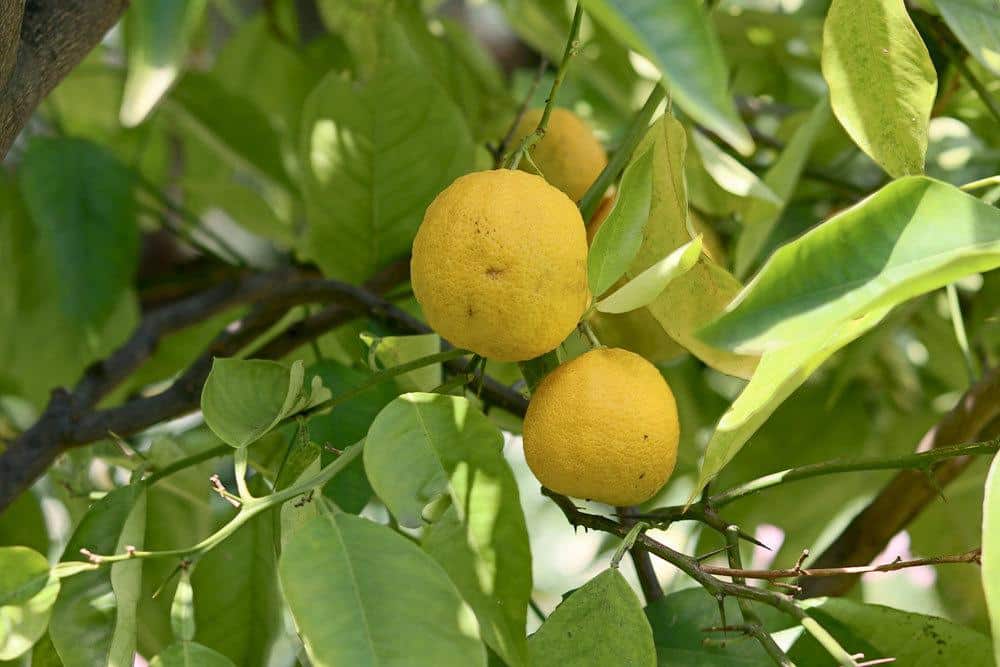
(730, 173)
(190, 654)
(23, 523)
(23, 572)
(645, 287)
(760, 218)
(912, 639)
(377, 594)
(390, 351)
(182, 609)
(79, 198)
(94, 618)
(620, 235)
(679, 620)
(975, 24)
(423, 447)
(680, 40)
(600, 623)
(230, 124)
(882, 81)
(779, 373)
(370, 170)
(237, 603)
(245, 398)
(22, 625)
(886, 249)
(158, 35)
(695, 298)
(991, 550)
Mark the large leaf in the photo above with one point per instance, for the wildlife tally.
(230, 124)
(190, 654)
(600, 623)
(760, 218)
(425, 446)
(991, 550)
(21, 625)
(159, 33)
(23, 524)
(679, 621)
(80, 202)
(23, 572)
(882, 251)
(620, 235)
(975, 24)
(779, 373)
(380, 599)
(375, 155)
(882, 81)
(237, 604)
(94, 618)
(680, 40)
(693, 299)
(245, 398)
(912, 639)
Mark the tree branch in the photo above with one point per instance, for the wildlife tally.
(54, 37)
(910, 491)
(973, 556)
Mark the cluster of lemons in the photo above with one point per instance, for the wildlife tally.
(499, 267)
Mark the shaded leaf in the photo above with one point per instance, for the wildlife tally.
(423, 448)
(600, 623)
(158, 35)
(645, 287)
(620, 235)
(882, 81)
(190, 654)
(375, 155)
(991, 550)
(886, 249)
(680, 40)
(730, 174)
(975, 24)
(245, 398)
(379, 592)
(389, 351)
(23, 572)
(94, 618)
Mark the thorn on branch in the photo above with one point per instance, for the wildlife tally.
(801, 561)
(91, 556)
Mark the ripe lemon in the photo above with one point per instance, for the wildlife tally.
(499, 265)
(603, 427)
(568, 155)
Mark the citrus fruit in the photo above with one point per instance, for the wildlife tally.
(499, 265)
(568, 155)
(603, 427)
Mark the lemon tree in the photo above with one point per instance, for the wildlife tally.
(327, 325)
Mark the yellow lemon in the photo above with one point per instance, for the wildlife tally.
(499, 265)
(568, 155)
(603, 427)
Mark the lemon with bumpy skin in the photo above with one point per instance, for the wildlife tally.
(603, 427)
(499, 265)
(568, 154)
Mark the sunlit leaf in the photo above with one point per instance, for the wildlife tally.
(645, 287)
(679, 38)
(886, 249)
(730, 174)
(245, 398)
(882, 81)
(190, 654)
(378, 593)
(22, 625)
(600, 623)
(23, 572)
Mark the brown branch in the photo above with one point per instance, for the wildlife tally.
(973, 556)
(910, 491)
(54, 37)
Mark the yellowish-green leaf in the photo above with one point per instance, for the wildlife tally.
(991, 550)
(882, 81)
(645, 287)
(730, 173)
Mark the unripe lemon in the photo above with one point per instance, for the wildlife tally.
(603, 427)
(568, 155)
(499, 265)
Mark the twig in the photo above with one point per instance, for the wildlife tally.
(973, 556)
(636, 131)
(532, 138)
(958, 324)
(648, 581)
